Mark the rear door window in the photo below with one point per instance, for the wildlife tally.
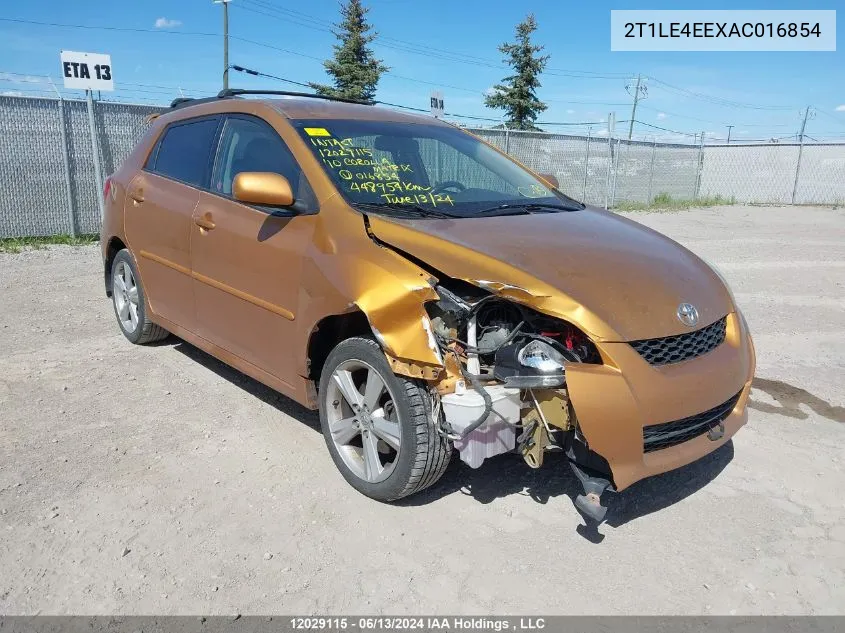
(184, 150)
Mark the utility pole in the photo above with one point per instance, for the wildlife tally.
(640, 91)
(611, 126)
(729, 133)
(700, 162)
(808, 113)
(225, 4)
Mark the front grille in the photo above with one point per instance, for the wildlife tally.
(674, 349)
(659, 436)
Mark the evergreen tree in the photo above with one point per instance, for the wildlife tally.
(354, 68)
(517, 94)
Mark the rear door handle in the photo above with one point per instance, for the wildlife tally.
(137, 195)
(204, 222)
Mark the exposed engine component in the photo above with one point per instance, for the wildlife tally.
(496, 320)
(500, 322)
(492, 340)
(496, 434)
(554, 404)
(538, 436)
(534, 439)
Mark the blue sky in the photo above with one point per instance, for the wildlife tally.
(444, 43)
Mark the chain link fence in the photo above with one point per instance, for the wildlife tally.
(48, 184)
(47, 181)
(607, 172)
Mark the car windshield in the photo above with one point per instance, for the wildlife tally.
(420, 170)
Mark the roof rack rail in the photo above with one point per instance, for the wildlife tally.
(179, 101)
(182, 102)
(228, 93)
(234, 92)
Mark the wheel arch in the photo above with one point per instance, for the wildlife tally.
(328, 332)
(114, 246)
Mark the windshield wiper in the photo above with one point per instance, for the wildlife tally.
(531, 207)
(409, 210)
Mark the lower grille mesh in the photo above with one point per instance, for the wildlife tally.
(660, 436)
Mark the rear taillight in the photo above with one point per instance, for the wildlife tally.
(107, 188)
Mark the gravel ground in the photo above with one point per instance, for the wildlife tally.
(140, 480)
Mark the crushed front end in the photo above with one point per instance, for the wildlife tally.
(518, 380)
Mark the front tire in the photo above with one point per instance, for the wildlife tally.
(377, 425)
(129, 305)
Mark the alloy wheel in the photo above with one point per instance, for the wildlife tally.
(363, 420)
(125, 295)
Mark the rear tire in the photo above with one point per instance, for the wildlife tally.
(129, 303)
(377, 425)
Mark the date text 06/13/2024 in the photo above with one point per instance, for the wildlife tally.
(406, 623)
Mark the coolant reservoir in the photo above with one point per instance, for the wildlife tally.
(494, 436)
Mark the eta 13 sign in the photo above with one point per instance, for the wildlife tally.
(87, 71)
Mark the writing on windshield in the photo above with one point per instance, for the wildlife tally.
(382, 179)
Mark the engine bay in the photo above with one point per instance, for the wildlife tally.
(508, 366)
(505, 389)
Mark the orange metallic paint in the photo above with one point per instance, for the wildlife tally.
(590, 267)
(262, 188)
(247, 280)
(251, 288)
(613, 405)
(157, 221)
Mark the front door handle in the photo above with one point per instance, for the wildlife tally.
(204, 222)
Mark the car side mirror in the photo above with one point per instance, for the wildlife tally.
(551, 179)
(262, 187)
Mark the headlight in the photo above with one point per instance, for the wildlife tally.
(541, 356)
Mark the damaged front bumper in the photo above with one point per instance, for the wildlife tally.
(618, 404)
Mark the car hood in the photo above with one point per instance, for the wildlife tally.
(615, 278)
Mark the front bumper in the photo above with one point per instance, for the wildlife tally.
(615, 401)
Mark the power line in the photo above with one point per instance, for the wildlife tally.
(657, 127)
(714, 99)
(255, 43)
(30, 79)
(107, 28)
(722, 123)
(833, 117)
(258, 73)
(312, 22)
(383, 42)
(464, 59)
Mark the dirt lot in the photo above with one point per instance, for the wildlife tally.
(156, 480)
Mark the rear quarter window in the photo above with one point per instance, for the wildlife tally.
(183, 151)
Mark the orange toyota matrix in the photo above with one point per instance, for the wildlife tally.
(423, 290)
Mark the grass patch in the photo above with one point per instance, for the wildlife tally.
(665, 202)
(17, 244)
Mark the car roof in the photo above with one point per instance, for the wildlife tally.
(301, 108)
(304, 108)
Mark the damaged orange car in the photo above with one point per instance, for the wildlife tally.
(423, 290)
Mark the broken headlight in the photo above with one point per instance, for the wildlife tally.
(514, 343)
(542, 357)
(526, 365)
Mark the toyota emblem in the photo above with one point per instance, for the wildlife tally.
(688, 314)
